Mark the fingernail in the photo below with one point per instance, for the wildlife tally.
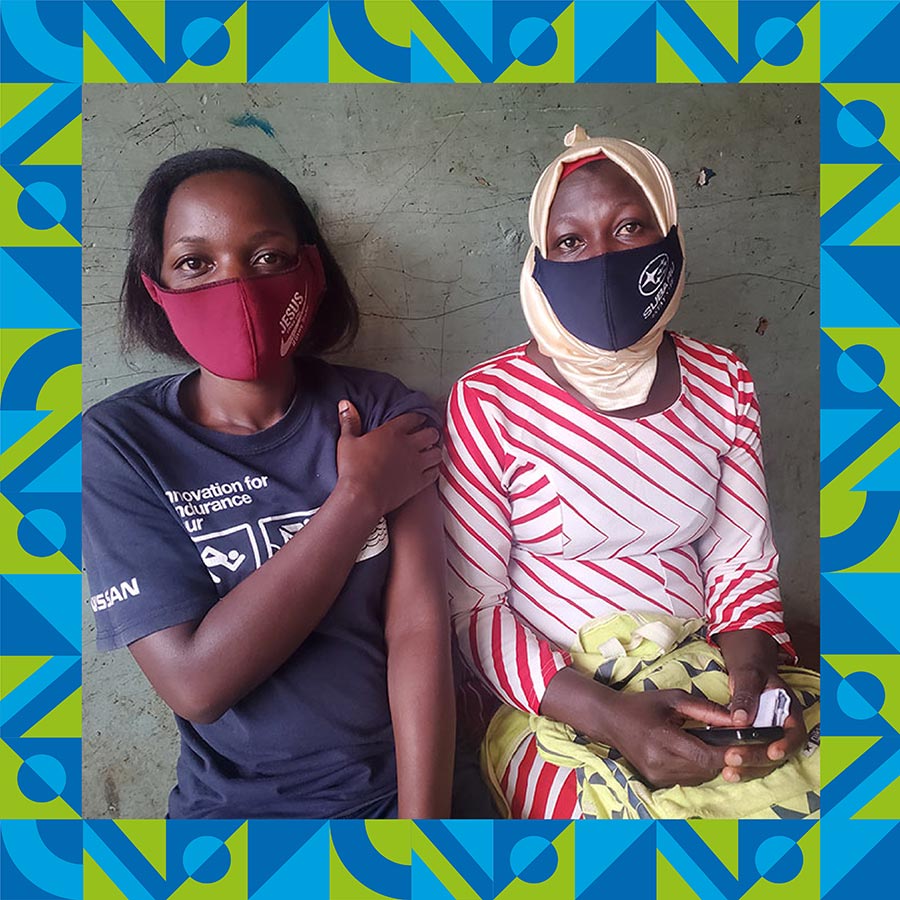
(343, 407)
(734, 759)
(776, 754)
(740, 717)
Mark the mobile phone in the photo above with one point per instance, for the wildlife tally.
(728, 737)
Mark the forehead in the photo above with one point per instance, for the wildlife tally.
(226, 197)
(601, 181)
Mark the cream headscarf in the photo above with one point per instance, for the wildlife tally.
(610, 379)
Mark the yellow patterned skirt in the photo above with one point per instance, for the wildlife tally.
(634, 652)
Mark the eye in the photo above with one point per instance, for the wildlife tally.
(192, 265)
(273, 259)
(633, 226)
(569, 242)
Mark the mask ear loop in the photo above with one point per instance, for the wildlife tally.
(151, 288)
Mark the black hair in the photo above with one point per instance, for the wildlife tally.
(144, 323)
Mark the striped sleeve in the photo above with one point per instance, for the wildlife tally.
(737, 555)
(500, 647)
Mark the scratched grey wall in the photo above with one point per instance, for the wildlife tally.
(422, 192)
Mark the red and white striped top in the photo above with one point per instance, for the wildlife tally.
(557, 514)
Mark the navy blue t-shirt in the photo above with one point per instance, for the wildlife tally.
(176, 515)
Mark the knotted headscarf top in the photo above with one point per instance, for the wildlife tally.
(610, 379)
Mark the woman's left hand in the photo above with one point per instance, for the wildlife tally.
(751, 657)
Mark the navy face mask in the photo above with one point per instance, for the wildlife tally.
(611, 301)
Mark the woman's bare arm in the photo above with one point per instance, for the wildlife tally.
(420, 682)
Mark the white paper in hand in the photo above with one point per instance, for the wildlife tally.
(774, 706)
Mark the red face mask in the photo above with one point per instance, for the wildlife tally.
(243, 327)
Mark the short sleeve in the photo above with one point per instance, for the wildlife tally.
(143, 569)
(380, 397)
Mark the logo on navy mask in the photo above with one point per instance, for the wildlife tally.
(653, 274)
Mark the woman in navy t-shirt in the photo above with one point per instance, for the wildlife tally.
(263, 532)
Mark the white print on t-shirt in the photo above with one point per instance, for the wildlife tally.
(278, 530)
(376, 542)
(195, 503)
(228, 549)
(115, 594)
(212, 557)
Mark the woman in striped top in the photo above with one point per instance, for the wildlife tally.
(610, 465)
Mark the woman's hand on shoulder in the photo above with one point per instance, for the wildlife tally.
(751, 657)
(391, 463)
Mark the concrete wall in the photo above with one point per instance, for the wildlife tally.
(422, 192)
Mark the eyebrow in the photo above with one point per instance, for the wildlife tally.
(256, 236)
(579, 214)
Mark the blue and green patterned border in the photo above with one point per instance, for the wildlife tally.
(48, 48)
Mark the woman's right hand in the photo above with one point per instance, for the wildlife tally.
(646, 729)
(391, 463)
